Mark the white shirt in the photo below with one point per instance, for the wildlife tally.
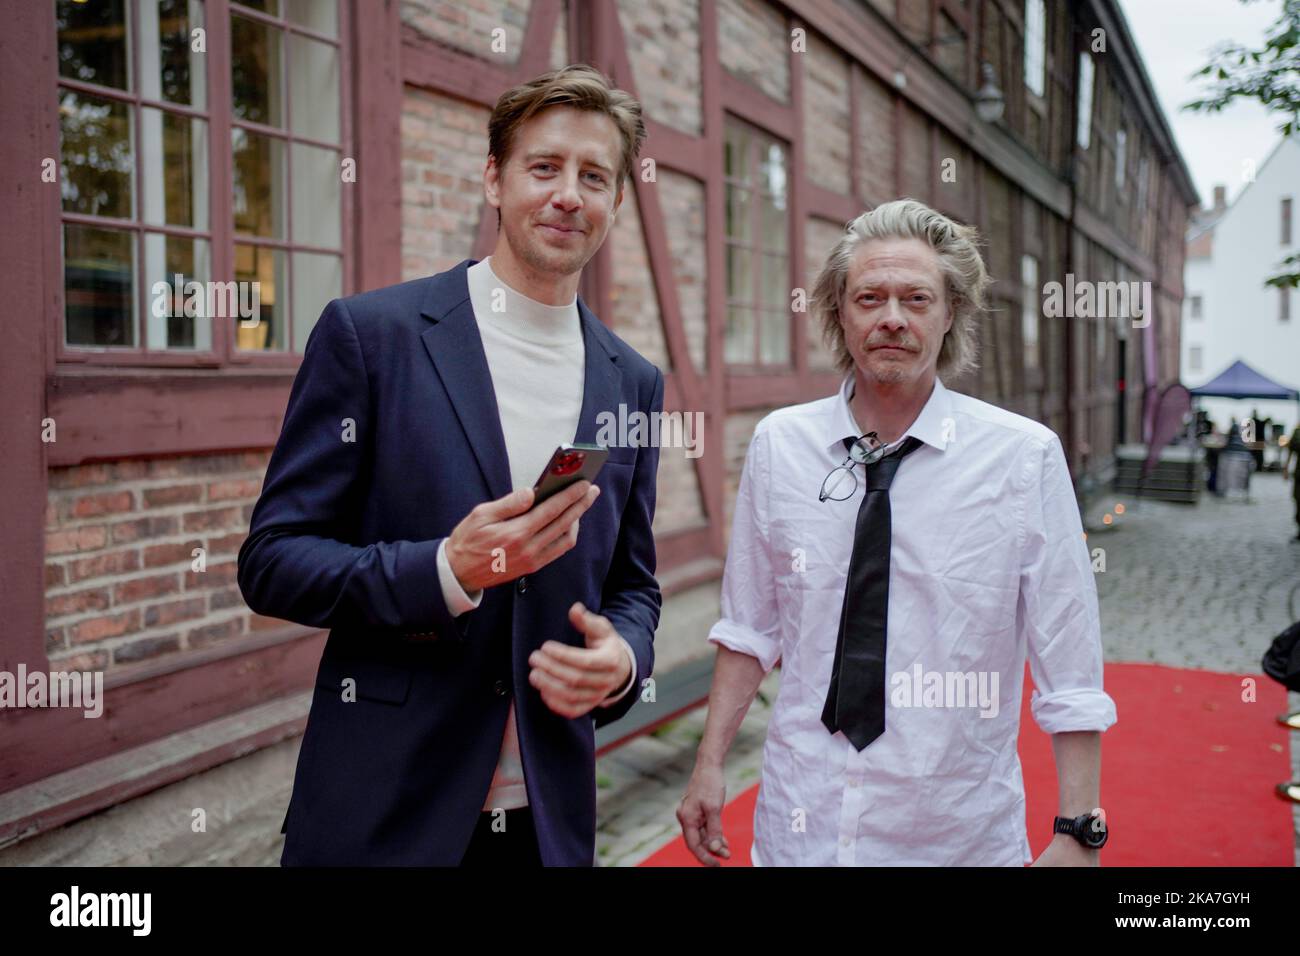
(536, 357)
(987, 565)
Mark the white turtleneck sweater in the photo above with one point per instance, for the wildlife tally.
(536, 357)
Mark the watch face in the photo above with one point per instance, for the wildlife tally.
(1095, 832)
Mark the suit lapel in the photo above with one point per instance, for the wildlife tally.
(602, 377)
(456, 348)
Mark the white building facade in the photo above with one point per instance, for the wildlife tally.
(1228, 311)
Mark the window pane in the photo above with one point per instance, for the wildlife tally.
(314, 88)
(95, 153)
(774, 346)
(317, 194)
(174, 160)
(1084, 131)
(1029, 309)
(319, 15)
(255, 71)
(737, 152)
(98, 285)
(316, 280)
(169, 70)
(775, 282)
(175, 261)
(738, 213)
(265, 330)
(772, 174)
(257, 179)
(92, 42)
(740, 282)
(774, 225)
(1035, 43)
(738, 346)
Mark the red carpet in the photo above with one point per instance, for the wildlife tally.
(1187, 775)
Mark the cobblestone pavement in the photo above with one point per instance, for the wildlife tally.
(1204, 586)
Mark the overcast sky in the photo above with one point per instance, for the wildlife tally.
(1174, 37)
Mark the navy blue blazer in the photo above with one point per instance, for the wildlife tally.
(345, 536)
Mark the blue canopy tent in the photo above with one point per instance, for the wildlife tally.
(1239, 380)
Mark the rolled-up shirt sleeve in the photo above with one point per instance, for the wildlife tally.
(750, 621)
(1058, 615)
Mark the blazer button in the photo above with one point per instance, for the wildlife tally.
(500, 688)
(522, 585)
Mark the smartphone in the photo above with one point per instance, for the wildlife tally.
(569, 463)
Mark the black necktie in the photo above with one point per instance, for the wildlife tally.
(855, 702)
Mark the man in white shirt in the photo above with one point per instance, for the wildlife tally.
(893, 737)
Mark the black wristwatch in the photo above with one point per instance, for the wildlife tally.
(1088, 828)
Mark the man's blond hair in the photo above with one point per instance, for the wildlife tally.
(966, 280)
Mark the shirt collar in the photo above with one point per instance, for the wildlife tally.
(933, 425)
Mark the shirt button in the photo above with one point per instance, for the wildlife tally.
(522, 585)
(846, 842)
(500, 688)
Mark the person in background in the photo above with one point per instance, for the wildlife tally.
(1291, 470)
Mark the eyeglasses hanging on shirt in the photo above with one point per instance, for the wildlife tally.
(842, 483)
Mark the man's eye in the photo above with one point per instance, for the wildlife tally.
(596, 178)
(542, 167)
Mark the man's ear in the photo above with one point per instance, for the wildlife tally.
(492, 182)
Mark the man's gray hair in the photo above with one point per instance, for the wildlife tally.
(966, 279)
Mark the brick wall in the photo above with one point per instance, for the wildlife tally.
(120, 584)
(636, 317)
(444, 149)
(663, 45)
(753, 44)
(468, 24)
(876, 139)
(826, 115)
(681, 199)
(918, 168)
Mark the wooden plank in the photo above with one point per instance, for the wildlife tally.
(124, 413)
(63, 797)
(30, 248)
(378, 85)
(37, 743)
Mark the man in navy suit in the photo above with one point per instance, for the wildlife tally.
(477, 638)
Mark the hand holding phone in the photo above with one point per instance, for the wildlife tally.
(501, 540)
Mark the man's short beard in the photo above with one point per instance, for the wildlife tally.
(889, 376)
(542, 264)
